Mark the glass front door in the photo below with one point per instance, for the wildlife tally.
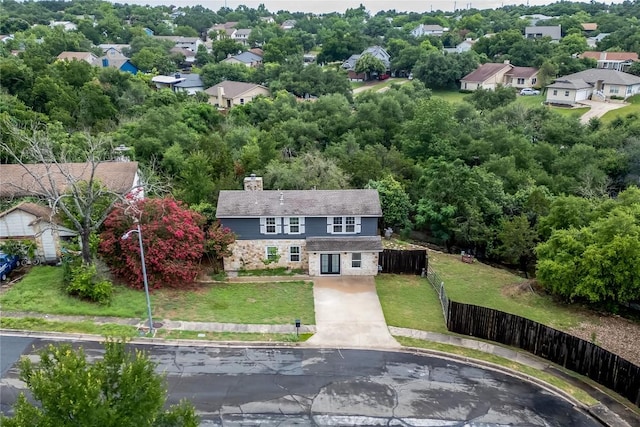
(329, 263)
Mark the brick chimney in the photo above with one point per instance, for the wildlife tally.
(253, 183)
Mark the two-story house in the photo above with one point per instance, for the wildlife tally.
(325, 232)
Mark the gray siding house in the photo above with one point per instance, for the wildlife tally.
(325, 232)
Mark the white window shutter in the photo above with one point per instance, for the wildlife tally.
(358, 224)
(263, 225)
(301, 224)
(286, 225)
(330, 225)
(278, 225)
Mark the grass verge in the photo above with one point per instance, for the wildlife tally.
(262, 303)
(410, 302)
(577, 393)
(85, 327)
(231, 336)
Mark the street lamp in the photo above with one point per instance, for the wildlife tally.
(125, 236)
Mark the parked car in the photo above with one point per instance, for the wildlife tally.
(7, 264)
(527, 91)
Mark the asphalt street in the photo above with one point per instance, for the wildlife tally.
(303, 386)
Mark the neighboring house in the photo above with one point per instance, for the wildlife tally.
(267, 19)
(115, 59)
(189, 55)
(87, 57)
(191, 84)
(589, 27)
(465, 45)
(190, 43)
(553, 31)
(377, 52)
(4, 38)
(241, 36)
(118, 177)
(228, 93)
(67, 25)
(223, 30)
(428, 30)
(249, 59)
(596, 83)
(289, 24)
(325, 232)
(620, 61)
(490, 75)
(521, 77)
(593, 41)
(148, 31)
(119, 47)
(36, 223)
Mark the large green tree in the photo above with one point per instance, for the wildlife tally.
(120, 390)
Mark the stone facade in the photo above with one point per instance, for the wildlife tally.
(369, 264)
(251, 254)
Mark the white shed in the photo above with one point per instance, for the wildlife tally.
(30, 221)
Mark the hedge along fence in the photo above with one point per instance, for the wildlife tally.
(403, 262)
(571, 352)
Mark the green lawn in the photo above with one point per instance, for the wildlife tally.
(84, 327)
(491, 287)
(261, 303)
(632, 108)
(452, 96)
(410, 302)
(530, 101)
(571, 111)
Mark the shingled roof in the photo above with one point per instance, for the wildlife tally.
(118, 177)
(484, 71)
(232, 89)
(39, 211)
(251, 204)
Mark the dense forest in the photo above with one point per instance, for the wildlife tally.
(510, 183)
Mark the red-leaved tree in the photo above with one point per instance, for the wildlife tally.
(172, 237)
(219, 239)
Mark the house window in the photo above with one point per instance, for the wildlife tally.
(566, 93)
(555, 92)
(613, 90)
(241, 101)
(343, 225)
(270, 225)
(337, 224)
(272, 253)
(520, 81)
(534, 81)
(294, 253)
(294, 225)
(356, 260)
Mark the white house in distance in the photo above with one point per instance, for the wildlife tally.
(599, 84)
(37, 224)
(428, 30)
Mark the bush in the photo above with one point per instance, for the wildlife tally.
(85, 283)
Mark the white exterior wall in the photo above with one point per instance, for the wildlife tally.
(249, 254)
(572, 97)
(622, 91)
(20, 225)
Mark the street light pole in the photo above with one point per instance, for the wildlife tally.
(144, 273)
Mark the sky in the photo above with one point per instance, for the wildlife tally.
(325, 6)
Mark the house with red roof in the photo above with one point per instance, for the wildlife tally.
(619, 61)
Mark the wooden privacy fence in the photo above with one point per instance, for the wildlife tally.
(402, 262)
(573, 353)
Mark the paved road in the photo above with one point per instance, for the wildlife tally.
(284, 386)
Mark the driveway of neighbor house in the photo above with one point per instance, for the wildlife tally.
(599, 109)
(349, 314)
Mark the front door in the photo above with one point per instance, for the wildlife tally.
(329, 263)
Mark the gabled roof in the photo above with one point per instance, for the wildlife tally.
(484, 71)
(190, 80)
(243, 32)
(118, 177)
(610, 56)
(188, 53)
(589, 26)
(78, 56)
(426, 27)
(246, 57)
(257, 51)
(118, 47)
(40, 212)
(523, 72)
(232, 89)
(609, 77)
(574, 84)
(253, 204)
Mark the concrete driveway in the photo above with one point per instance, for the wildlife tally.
(599, 109)
(348, 314)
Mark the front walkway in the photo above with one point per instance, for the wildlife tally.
(349, 314)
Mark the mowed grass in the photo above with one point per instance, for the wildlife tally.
(84, 327)
(262, 303)
(632, 109)
(576, 112)
(483, 285)
(410, 302)
(452, 96)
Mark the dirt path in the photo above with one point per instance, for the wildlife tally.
(376, 85)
